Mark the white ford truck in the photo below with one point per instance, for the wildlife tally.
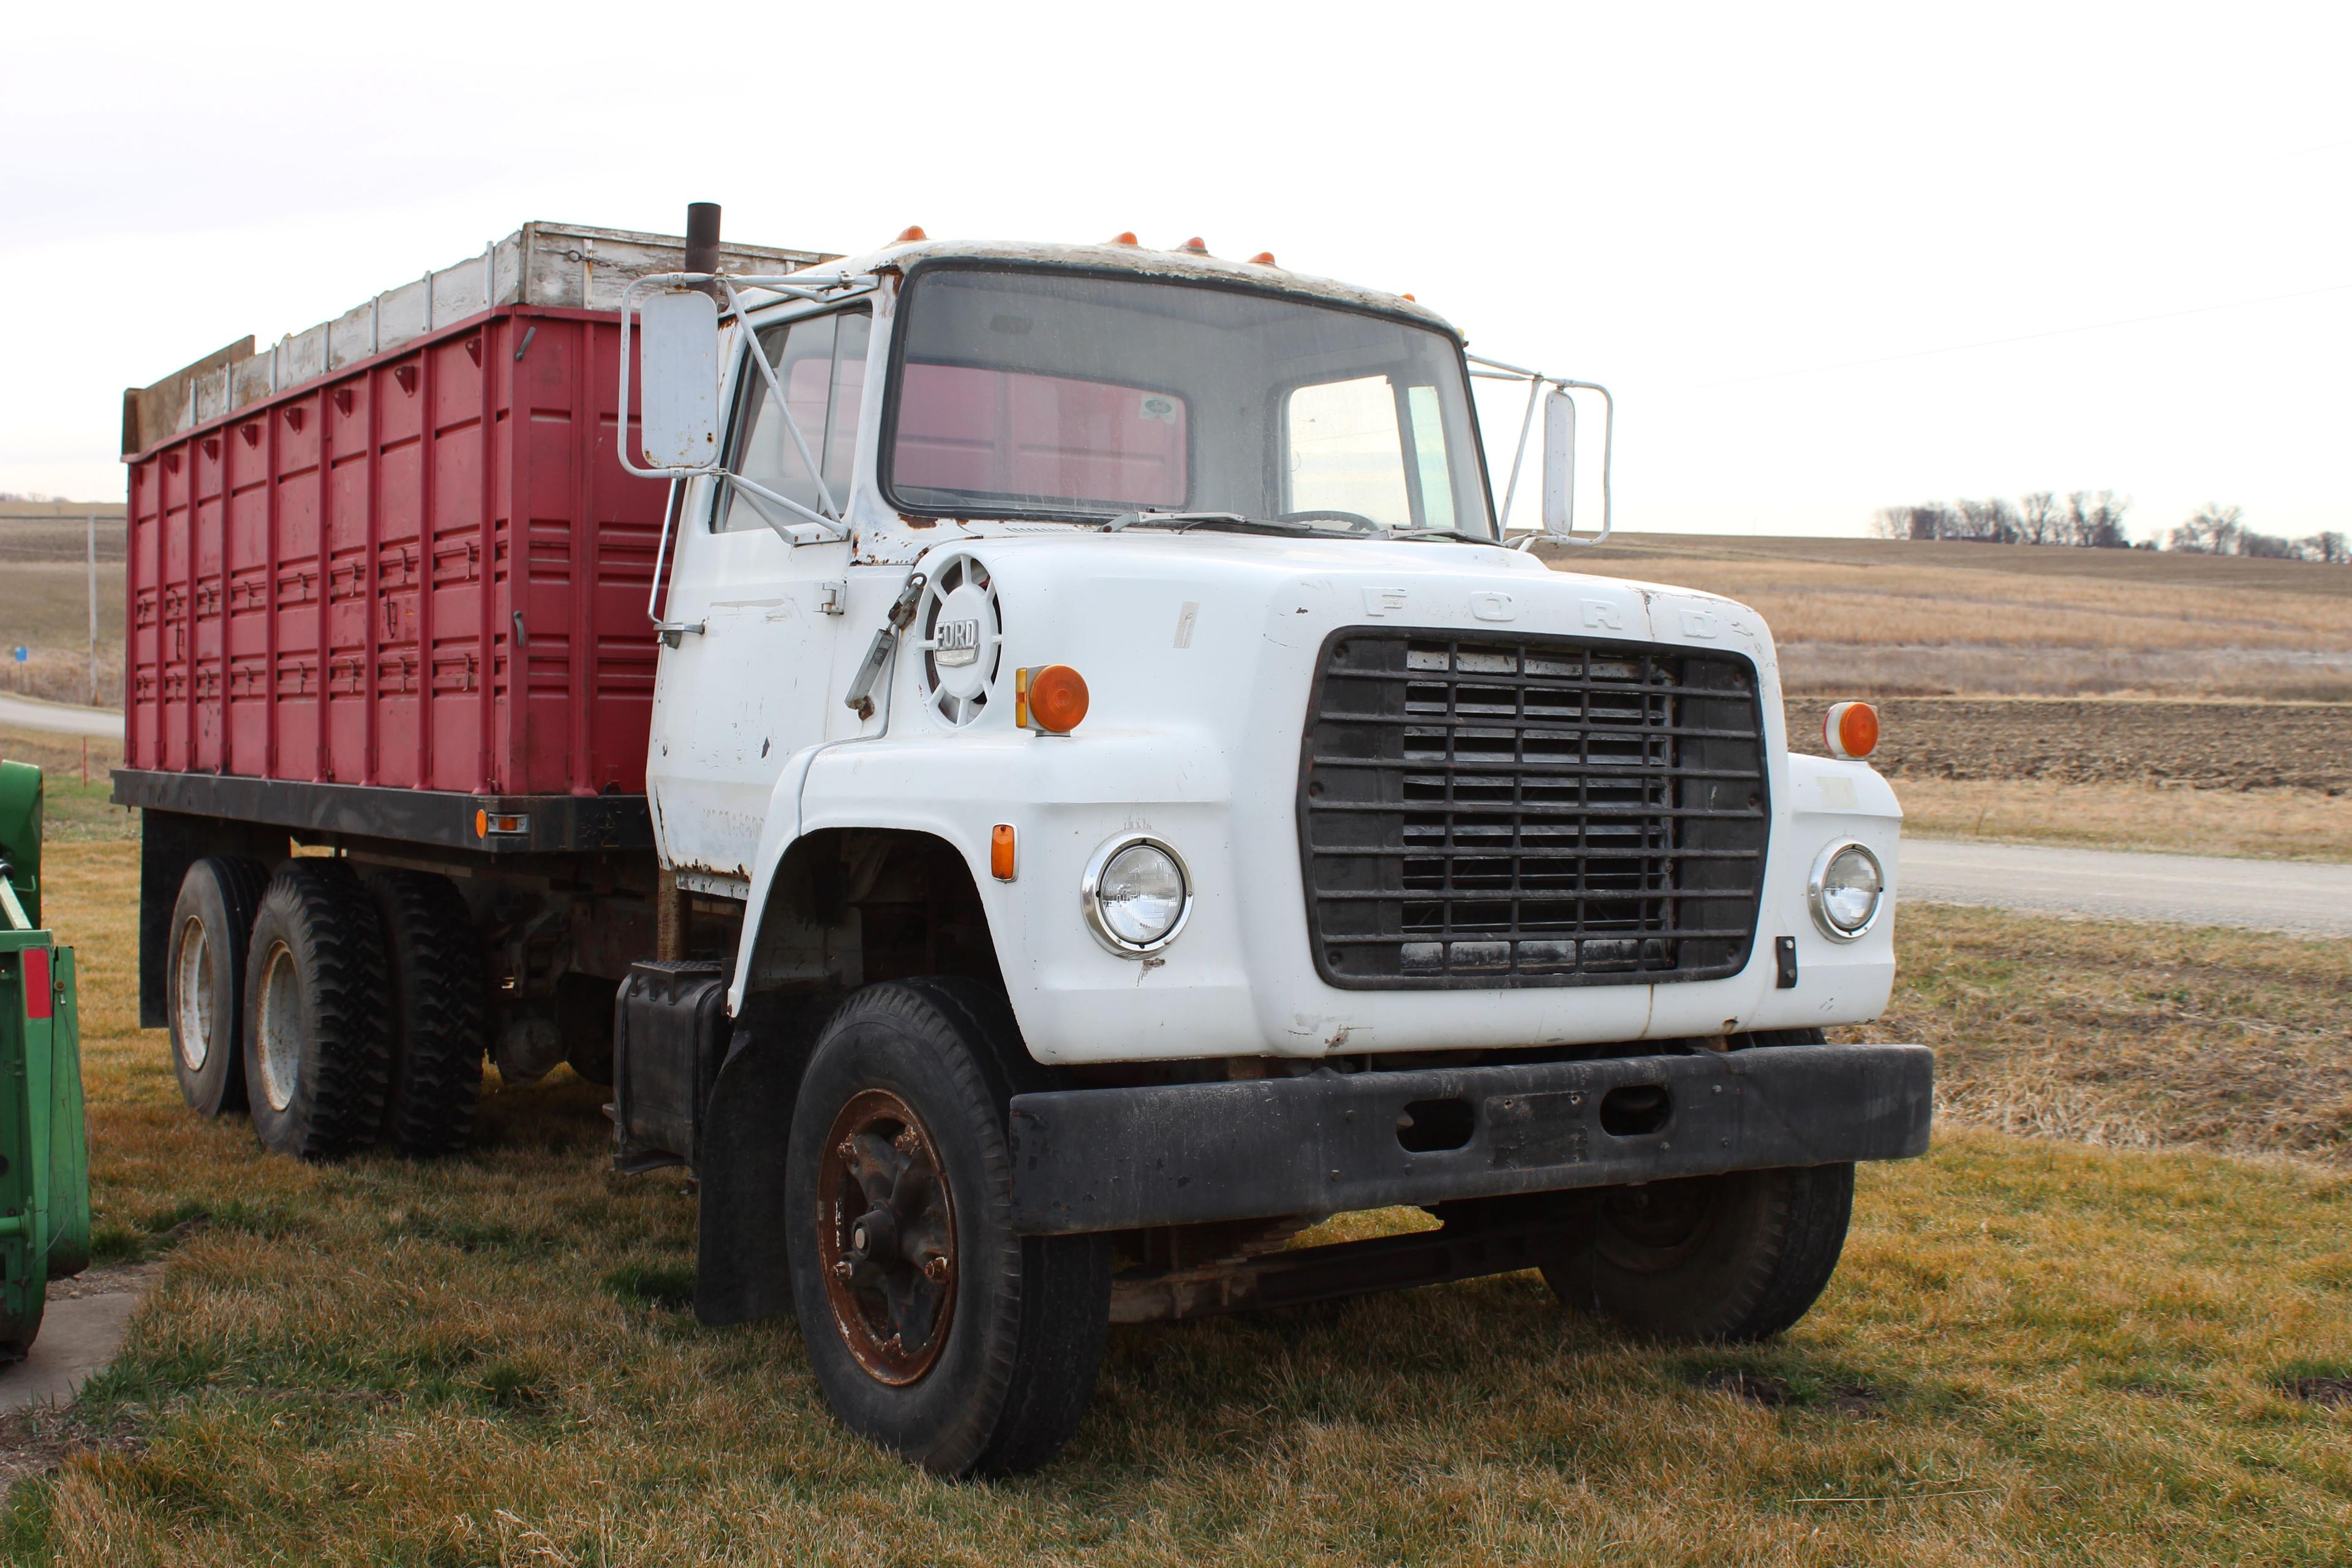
(1115, 799)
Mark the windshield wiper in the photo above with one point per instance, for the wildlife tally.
(1179, 522)
(1446, 534)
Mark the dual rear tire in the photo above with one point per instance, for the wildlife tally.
(339, 1012)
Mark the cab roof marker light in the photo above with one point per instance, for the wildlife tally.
(1265, 259)
(1124, 236)
(909, 234)
(1195, 245)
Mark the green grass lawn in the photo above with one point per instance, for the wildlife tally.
(2035, 1352)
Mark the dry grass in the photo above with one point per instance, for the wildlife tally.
(2034, 1354)
(2263, 823)
(2131, 1036)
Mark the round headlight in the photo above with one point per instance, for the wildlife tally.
(1136, 895)
(1848, 886)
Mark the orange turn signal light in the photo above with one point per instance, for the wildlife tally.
(1050, 699)
(1000, 852)
(1851, 729)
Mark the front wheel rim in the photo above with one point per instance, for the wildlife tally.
(886, 1237)
(193, 984)
(278, 1027)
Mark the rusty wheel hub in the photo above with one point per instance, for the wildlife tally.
(885, 1235)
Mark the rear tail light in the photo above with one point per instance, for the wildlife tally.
(39, 1001)
(1851, 730)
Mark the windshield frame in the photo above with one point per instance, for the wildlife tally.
(886, 436)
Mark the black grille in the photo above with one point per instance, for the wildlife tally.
(1478, 813)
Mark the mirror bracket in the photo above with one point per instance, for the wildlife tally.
(1559, 421)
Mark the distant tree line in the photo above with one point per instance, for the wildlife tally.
(2092, 519)
(2219, 530)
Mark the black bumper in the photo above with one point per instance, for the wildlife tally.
(1125, 1159)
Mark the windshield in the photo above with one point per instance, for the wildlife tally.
(1056, 393)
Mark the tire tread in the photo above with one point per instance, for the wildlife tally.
(438, 1015)
(331, 927)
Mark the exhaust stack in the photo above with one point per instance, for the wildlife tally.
(702, 236)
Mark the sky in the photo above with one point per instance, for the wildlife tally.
(1828, 258)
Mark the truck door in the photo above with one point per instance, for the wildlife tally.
(732, 704)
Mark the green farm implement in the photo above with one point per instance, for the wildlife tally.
(44, 1159)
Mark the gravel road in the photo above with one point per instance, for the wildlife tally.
(2293, 896)
(56, 718)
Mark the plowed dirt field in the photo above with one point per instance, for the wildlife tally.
(2202, 745)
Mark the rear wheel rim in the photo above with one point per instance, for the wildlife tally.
(195, 988)
(886, 1237)
(278, 1027)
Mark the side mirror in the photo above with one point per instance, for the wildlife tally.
(678, 365)
(1558, 463)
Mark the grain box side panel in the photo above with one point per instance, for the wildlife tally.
(351, 500)
(296, 587)
(448, 594)
(207, 550)
(626, 516)
(550, 459)
(392, 566)
(142, 671)
(244, 611)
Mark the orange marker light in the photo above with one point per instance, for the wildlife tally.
(1124, 236)
(1851, 729)
(481, 825)
(1262, 259)
(1195, 245)
(1000, 852)
(1052, 699)
(911, 233)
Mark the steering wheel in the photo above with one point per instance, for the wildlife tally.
(1354, 520)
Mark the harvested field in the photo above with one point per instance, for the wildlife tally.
(2035, 1352)
(44, 606)
(2204, 745)
(1926, 619)
(2257, 823)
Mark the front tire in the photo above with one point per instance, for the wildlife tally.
(203, 979)
(934, 1328)
(318, 1051)
(1719, 1259)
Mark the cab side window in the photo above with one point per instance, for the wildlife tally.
(820, 362)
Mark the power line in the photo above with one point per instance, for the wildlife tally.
(2025, 337)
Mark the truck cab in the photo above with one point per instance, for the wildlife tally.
(1129, 639)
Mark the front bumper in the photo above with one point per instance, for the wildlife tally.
(1328, 1142)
